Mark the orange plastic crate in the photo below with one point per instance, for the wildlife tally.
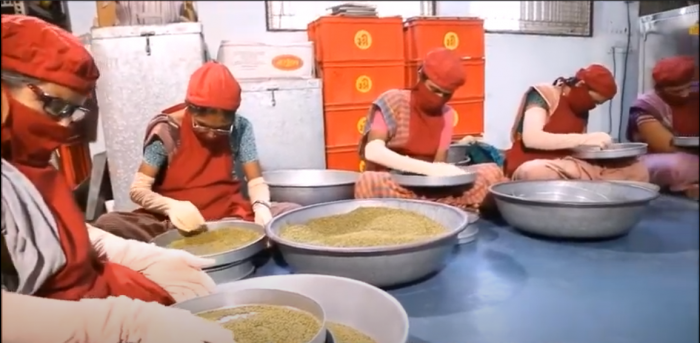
(475, 84)
(464, 35)
(344, 125)
(344, 158)
(469, 117)
(338, 39)
(352, 83)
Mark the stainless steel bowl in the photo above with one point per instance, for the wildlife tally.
(457, 152)
(647, 185)
(227, 257)
(311, 186)
(261, 296)
(572, 209)
(379, 266)
(614, 151)
(380, 316)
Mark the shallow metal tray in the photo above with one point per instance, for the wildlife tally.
(227, 257)
(422, 181)
(260, 296)
(686, 141)
(614, 151)
(470, 232)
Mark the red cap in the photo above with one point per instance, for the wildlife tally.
(599, 79)
(213, 85)
(444, 68)
(33, 47)
(673, 71)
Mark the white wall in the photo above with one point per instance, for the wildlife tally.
(513, 62)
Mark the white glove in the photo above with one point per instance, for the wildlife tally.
(185, 216)
(115, 319)
(598, 139)
(263, 215)
(444, 169)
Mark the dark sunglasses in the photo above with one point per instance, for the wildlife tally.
(59, 108)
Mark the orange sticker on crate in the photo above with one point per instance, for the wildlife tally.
(339, 39)
(344, 125)
(468, 117)
(355, 83)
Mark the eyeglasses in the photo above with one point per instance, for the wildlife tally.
(439, 92)
(205, 129)
(59, 108)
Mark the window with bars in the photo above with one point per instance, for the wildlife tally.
(562, 18)
(295, 15)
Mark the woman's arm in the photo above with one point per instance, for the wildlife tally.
(535, 118)
(141, 192)
(377, 152)
(258, 191)
(655, 134)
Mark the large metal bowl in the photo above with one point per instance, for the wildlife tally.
(227, 257)
(457, 152)
(311, 186)
(261, 296)
(380, 316)
(379, 266)
(572, 209)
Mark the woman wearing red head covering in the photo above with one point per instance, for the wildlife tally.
(188, 173)
(52, 262)
(670, 109)
(411, 131)
(552, 119)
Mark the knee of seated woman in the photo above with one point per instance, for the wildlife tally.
(535, 170)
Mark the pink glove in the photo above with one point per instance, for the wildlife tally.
(178, 272)
(115, 319)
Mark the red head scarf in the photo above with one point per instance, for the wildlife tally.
(673, 71)
(444, 68)
(213, 85)
(599, 79)
(35, 48)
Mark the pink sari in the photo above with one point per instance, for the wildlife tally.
(676, 171)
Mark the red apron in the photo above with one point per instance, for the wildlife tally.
(424, 132)
(686, 118)
(28, 147)
(562, 121)
(204, 176)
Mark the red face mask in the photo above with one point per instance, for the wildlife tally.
(427, 100)
(30, 136)
(580, 100)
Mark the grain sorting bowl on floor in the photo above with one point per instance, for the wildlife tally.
(457, 152)
(350, 302)
(470, 232)
(311, 186)
(572, 209)
(647, 185)
(252, 296)
(614, 151)
(380, 266)
(234, 255)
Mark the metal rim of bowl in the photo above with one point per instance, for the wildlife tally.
(262, 237)
(367, 250)
(280, 285)
(512, 198)
(289, 185)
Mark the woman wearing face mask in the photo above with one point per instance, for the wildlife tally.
(411, 131)
(188, 173)
(671, 108)
(83, 284)
(552, 119)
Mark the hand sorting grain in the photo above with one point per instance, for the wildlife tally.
(216, 241)
(345, 334)
(266, 324)
(365, 227)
